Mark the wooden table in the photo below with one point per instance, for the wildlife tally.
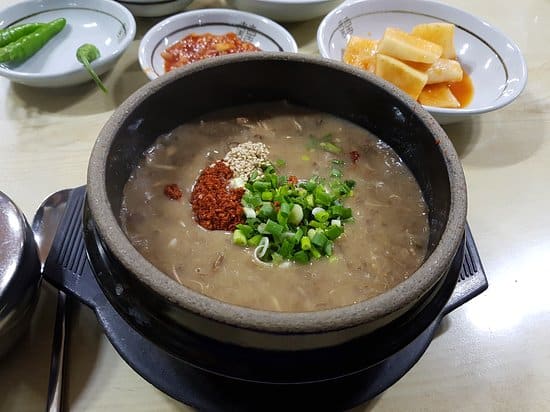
(492, 354)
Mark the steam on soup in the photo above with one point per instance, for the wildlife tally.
(232, 206)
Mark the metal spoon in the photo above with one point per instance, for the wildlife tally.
(44, 226)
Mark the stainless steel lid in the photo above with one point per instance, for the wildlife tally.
(19, 265)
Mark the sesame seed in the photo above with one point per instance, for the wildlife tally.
(246, 158)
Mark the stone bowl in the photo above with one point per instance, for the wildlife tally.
(238, 341)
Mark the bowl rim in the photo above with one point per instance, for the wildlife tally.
(291, 3)
(404, 294)
(152, 3)
(129, 24)
(469, 22)
(144, 54)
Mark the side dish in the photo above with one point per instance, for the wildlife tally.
(195, 47)
(423, 63)
(86, 54)
(21, 42)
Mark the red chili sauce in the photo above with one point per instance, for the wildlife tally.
(195, 47)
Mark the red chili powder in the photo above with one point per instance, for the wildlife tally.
(173, 191)
(215, 205)
(354, 154)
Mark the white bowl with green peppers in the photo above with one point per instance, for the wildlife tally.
(42, 55)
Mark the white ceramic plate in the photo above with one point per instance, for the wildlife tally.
(104, 23)
(262, 32)
(494, 62)
(286, 10)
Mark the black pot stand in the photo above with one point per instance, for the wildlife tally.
(68, 268)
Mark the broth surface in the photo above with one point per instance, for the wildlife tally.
(386, 242)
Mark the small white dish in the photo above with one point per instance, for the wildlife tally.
(104, 23)
(260, 31)
(286, 10)
(494, 63)
(155, 8)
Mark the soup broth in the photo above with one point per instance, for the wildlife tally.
(386, 241)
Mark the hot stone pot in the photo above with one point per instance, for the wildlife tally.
(259, 345)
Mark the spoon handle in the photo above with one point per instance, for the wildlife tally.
(64, 256)
(55, 385)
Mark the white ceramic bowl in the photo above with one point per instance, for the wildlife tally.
(104, 23)
(286, 10)
(155, 8)
(494, 62)
(261, 31)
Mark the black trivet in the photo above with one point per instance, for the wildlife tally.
(68, 268)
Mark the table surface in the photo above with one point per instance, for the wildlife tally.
(493, 353)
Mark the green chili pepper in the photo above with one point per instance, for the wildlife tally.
(86, 54)
(13, 33)
(26, 46)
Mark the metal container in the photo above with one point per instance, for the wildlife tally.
(19, 274)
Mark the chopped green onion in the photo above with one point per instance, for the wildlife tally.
(341, 211)
(328, 248)
(280, 163)
(350, 183)
(254, 240)
(322, 197)
(251, 199)
(315, 253)
(305, 243)
(310, 185)
(267, 210)
(319, 239)
(294, 222)
(261, 186)
(273, 228)
(246, 230)
(285, 209)
(301, 257)
(260, 250)
(335, 173)
(253, 221)
(296, 215)
(277, 258)
(249, 212)
(317, 225)
(320, 214)
(298, 235)
(239, 238)
(334, 231)
(286, 248)
(330, 147)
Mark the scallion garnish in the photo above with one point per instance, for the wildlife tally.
(289, 221)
